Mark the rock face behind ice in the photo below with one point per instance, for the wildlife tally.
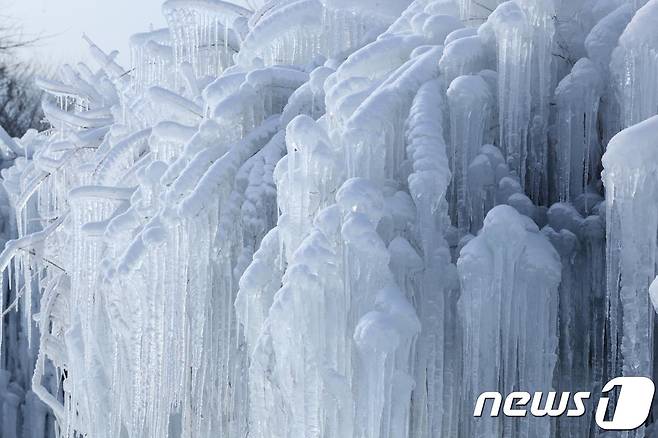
(335, 219)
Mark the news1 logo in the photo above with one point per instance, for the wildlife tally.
(630, 412)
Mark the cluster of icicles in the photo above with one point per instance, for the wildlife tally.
(335, 219)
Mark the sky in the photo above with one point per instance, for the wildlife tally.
(109, 23)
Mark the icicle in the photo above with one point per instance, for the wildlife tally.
(631, 222)
(476, 12)
(508, 28)
(634, 66)
(577, 150)
(259, 213)
(600, 43)
(500, 309)
(470, 105)
(541, 20)
(581, 363)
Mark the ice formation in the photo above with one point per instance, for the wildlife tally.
(500, 309)
(329, 218)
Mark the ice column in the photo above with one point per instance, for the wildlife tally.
(89, 347)
(634, 67)
(434, 409)
(508, 28)
(600, 43)
(577, 150)
(579, 238)
(509, 277)
(464, 56)
(541, 19)
(386, 324)
(470, 104)
(489, 184)
(631, 221)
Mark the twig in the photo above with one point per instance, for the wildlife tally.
(127, 72)
(33, 253)
(483, 6)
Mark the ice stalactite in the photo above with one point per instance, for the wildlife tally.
(579, 237)
(541, 19)
(43, 191)
(153, 58)
(509, 30)
(88, 349)
(328, 218)
(385, 338)
(470, 105)
(463, 56)
(631, 223)
(362, 292)
(476, 12)
(320, 29)
(577, 150)
(312, 372)
(271, 43)
(489, 184)
(428, 152)
(143, 235)
(600, 43)
(386, 108)
(634, 66)
(18, 335)
(202, 33)
(167, 139)
(384, 364)
(230, 220)
(434, 406)
(309, 156)
(499, 308)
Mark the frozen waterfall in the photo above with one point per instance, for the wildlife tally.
(336, 219)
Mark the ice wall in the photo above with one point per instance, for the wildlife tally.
(327, 218)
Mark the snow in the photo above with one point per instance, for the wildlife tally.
(306, 218)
